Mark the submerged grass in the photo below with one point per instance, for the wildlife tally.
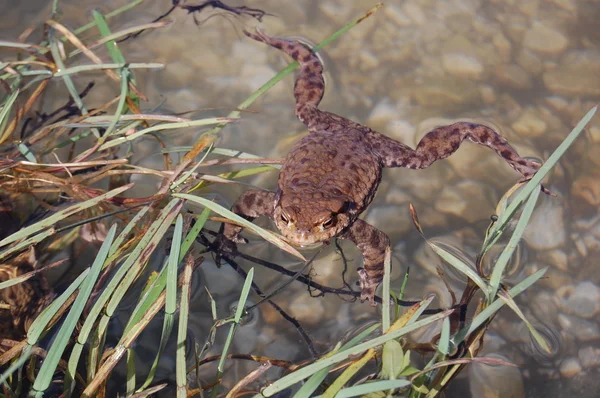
(70, 335)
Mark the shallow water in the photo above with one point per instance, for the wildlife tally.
(530, 67)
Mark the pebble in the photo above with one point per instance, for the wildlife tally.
(487, 381)
(589, 357)
(513, 76)
(582, 300)
(544, 39)
(587, 188)
(467, 199)
(546, 229)
(573, 81)
(389, 218)
(307, 309)
(461, 65)
(581, 329)
(446, 92)
(569, 367)
(529, 124)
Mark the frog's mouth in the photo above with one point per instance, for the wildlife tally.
(302, 239)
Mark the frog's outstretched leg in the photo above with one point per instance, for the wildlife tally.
(372, 243)
(442, 142)
(310, 85)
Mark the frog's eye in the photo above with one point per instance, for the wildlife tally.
(328, 223)
(285, 218)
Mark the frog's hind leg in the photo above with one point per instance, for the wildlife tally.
(373, 244)
(310, 85)
(442, 142)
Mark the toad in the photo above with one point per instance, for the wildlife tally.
(331, 176)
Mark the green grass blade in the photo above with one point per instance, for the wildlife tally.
(444, 342)
(311, 385)
(171, 303)
(309, 370)
(460, 266)
(239, 312)
(348, 373)
(46, 372)
(135, 222)
(5, 113)
(159, 226)
(194, 232)
(66, 78)
(268, 236)
(37, 327)
(165, 126)
(62, 214)
(32, 241)
(124, 76)
(64, 73)
(131, 379)
(541, 341)
(488, 312)
(180, 363)
(113, 48)
(534, 183)
(385, 297)
(500, 264)
(372, 387)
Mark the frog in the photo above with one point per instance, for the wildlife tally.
(331, 175)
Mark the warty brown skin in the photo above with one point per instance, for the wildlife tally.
(330, 177)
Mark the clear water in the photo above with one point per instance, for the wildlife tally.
(530, 67)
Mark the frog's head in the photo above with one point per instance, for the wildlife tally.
(307, 218)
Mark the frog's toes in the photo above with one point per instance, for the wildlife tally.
(367, 287)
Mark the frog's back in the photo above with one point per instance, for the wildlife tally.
(328, 164)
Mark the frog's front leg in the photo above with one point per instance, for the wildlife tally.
(373, 244)
(252, 204)
(442, 142)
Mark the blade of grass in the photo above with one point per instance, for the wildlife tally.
(268, 236)
(311, 385)
(131, 379)
(385, 298)
(32, 241)
(46, 372)
(40, 323)
(194, 232)
(500, 264)
(489, 311)
(535, 181)
(121, 348)
(444, 342)
(111, 45)
(180, 363)
(372, 387)
(62, 214)
(307, 371)
(104, 66)
(139, 253)
(66, 78)
(541, 341)
(460, 266)
(4, 113)
(171, 304)
(239, 312)
(166, 126)
(348, 373)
